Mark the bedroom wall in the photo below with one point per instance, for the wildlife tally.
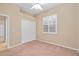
(27, 16)
(67, 26)
(15, 15)
(78, 27)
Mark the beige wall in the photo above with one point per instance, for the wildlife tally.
(67, 26)
(15, 21)
(27, 16)
(2, 18)
(14, 13)
(78, 26)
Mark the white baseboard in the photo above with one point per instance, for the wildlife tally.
(18, 44)
(59, 45)
(46, 42)
(14, 46)
(28, 41)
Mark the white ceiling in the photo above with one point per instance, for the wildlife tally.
(27, 7)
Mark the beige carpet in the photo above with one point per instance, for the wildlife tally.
(38, 48)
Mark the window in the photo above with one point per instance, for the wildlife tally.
(50, 24)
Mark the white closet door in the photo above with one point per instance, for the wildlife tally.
(28, 30)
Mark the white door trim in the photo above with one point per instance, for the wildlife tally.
(7, 28)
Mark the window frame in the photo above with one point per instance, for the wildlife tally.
(49, 24)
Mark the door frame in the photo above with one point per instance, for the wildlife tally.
(21, 29)
(7, 28)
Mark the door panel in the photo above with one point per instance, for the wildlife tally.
(28, 30)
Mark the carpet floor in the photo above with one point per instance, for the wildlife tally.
(38, 48)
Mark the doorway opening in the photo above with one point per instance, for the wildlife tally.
(4, 42)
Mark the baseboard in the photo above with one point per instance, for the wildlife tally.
(28, 41)
(46, 42)
(59, 45)
(14, 46)
(19, 44)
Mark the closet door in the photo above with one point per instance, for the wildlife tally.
(28, 30)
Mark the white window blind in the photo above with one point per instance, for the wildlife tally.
(50, 24)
